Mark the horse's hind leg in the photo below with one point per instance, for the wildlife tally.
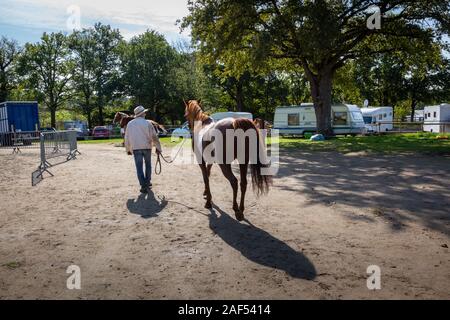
(208, 171)
(243, 169)
(207, 192)
(228, 173)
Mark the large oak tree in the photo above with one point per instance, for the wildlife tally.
(317, 36)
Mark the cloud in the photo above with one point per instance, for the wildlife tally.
(130, 16)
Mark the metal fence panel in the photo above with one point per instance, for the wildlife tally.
(20, 140)
(53, 145)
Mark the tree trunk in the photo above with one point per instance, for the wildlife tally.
(89, 119)
(413, 109)
(239, 96)
(3, 86)
(321, 87)
(3, 92)
(53, 117)
(100, 110)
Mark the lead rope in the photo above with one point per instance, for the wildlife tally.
(158, 167)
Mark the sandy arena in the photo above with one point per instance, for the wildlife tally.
(327, 218)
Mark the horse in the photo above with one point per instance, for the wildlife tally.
(201, 126)
(123, 119)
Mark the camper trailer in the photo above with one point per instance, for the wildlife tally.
(298, 120)
(437, 118)
(378, 119)
(222, 115)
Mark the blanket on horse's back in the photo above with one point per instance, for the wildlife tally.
(204, 135)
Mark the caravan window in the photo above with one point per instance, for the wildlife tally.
(340, 118)
(357, 116)
(434, 114)
(368, 120)
(293, 119)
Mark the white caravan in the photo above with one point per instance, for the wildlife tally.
(222, 115)
(378, 119)
(437, 118)
(298, 120)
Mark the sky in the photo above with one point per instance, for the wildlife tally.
(26, 20)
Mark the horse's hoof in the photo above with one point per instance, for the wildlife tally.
(239, 216)
(208, 205)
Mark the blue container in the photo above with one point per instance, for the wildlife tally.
(19, 116)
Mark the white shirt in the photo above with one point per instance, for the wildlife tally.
(140, 134)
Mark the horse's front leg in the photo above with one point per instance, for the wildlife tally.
(207, 192)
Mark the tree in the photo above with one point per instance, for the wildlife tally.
(107, 60)
(84, 47)
(147, 63)
(48, 68)
(9, 52)
(391, 79)
(317, 36)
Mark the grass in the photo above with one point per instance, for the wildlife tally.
(12, 265)
(427, 143)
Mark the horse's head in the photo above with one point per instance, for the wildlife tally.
(118, 117)
(193, 112)
(259, 123)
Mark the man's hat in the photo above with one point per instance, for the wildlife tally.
(138, 111)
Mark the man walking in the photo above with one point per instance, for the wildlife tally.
(139, 136)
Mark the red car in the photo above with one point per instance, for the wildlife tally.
(100, 132)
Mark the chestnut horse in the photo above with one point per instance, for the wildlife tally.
(123, 119)
(201, 126)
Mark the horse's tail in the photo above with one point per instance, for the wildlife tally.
(260, 182)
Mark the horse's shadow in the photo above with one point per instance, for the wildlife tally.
(146, 205)
(259, 246)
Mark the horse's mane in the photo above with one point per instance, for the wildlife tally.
(197, 112)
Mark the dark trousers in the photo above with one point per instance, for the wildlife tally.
(143, 158)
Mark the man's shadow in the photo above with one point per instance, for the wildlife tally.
(146, 205)
(259, 246)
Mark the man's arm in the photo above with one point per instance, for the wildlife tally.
(155, 138)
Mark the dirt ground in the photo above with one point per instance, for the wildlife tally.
(327, 218)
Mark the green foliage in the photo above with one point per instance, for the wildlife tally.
(318, 36)
(251, 55)
(425, 143)
(9, 53)
(107, 60)
(148, 71)
(83, 46)
(47, 68)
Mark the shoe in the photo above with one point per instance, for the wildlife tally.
(144, 190)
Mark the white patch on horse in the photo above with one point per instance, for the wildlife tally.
(199, 137)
